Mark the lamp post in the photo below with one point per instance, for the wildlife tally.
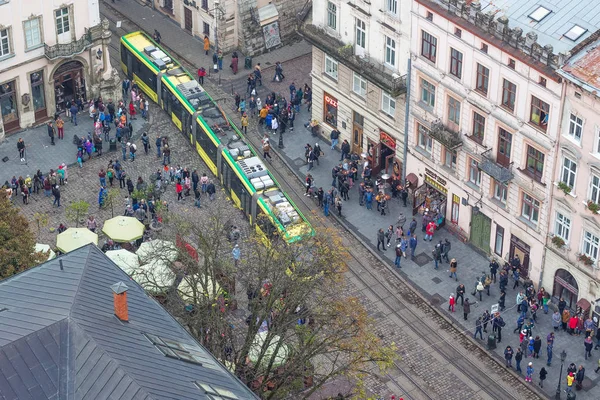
(563, 357)
(216, 10)
(280, 144)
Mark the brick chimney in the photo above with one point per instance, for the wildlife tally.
(120, 299)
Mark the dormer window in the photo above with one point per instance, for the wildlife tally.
(539, 14)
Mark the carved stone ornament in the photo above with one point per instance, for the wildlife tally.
(25, 99)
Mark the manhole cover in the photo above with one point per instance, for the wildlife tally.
(422, 259)
(299, 161)
(268, 63)
(436, 279)
(436, 300)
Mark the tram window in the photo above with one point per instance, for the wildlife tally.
(144, 73)
(206, 144)
(226, 172)
(236, 186)
(176, 108)
(265, 224)
(123, 54)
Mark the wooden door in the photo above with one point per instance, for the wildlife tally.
(481, 227)
(374, 156)
(504, 147)
(357, 138)
(517, 247)
(389, 163)
(188, 19)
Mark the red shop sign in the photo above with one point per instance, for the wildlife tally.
(331, 101)
(387, 140)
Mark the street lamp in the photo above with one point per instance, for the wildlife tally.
(563, 357)
(216, 11)
(280, 144)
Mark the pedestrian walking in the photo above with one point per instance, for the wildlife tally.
(451, 303)
(51, 132)
(493, 269)
(236, 253)
(334, 136)
(460, 293)
(412, 243)
(508, 355)
(518, 359)
(437, 256)
(543, 374)
(206, 45)
(201, 75)
(466, 308)
(453, 267)
(381, 240)
(60, 127)
(579, 377)
(588, 345)
(398, 256)
(478, 329)
(21, 148)
(146, 142)
(56, 194)
(529, 372)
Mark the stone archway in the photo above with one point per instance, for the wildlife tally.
(70, 83)
(566, 287)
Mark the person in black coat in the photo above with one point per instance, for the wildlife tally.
(543, 374)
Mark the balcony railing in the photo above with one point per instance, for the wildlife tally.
(451, 139)
(65, 50)
(377, 73)
(497, 171)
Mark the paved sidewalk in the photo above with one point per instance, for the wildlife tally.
(435, 284)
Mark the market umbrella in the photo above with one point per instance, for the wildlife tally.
(186, 291)
(257, 347)
(153, 278)
(125, 259)
(157, 251)
(74, 238)
(45, 248)
(123, 229)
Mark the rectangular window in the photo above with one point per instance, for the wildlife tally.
(591, 243)
(483, 77)
(33, 33)
(428, 46)
(449, 158)
(456, 59)
(330, 109)
(331, 15)
(331, 67)
(484, 47)
(499, 241)
(455, 208)
(562, 227)
(427, 93)
(359, 85)
(361, 34)
(569, 172)
(424, 141)
(390, 51)
(478, 127)
(429, 16)
(500, 192)
(206, 28)
(62, 21)
(454, 111)
(204, 5)
(535, 163)
(4, 43)
(388, 104)
(594, 189)
(457, 32)
(509, 94)
(391, 6)
(511, 63)
(539, 113)
(530, 209)
(474, 172)
(504, 147)
(575, 128)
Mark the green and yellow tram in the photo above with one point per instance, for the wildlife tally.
(221, 145)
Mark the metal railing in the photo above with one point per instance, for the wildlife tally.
(497, 171)
(376, 72)
(63, 50)
(450, 138)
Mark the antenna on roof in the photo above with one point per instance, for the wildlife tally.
(61, 265)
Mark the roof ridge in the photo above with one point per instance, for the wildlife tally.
(90, 248)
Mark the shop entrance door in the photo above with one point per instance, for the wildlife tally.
(187, 18)
(357, 133)
(69, 83)
(565, 286)
(481, 227)
(374, 156)
(9, 107)
(520, 248)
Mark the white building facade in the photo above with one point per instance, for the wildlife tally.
(360, 54)
(50, 52)
(483, 125)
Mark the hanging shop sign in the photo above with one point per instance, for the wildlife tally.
(387, 140)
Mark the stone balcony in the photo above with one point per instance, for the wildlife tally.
(375, 72)
(66, 50)
(495, 170)
(450, 138)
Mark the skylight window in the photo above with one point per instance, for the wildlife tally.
(575, 32)
(216, 392)
(174, 349)
(539, 14)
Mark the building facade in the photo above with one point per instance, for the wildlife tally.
(485, 119)
(50, 54)
(252, 26)
(360, 54)
(571, 262)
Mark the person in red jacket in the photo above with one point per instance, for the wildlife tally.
(451, 303)
(201, 75)
(179, 190)
(429, 230)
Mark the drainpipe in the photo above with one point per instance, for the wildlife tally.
(563, 95)
(405, 150)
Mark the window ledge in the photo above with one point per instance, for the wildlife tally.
(595, 155)
(500, 204)
(357, 96)
(427, 60)
(425, 106)
(573, 141)
(507, 109)
(536, 179)
(473, 186)
(538, 127)
(325, 74)
(573, 195)
(481, 93)
(423, 152)
(473, 139)
(387, 115)
(451, 171)
(528, 222)
(6, 57)
(37, 46)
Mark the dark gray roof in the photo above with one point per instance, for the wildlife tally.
(60, 339)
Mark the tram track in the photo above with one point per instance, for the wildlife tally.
(423, 318)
